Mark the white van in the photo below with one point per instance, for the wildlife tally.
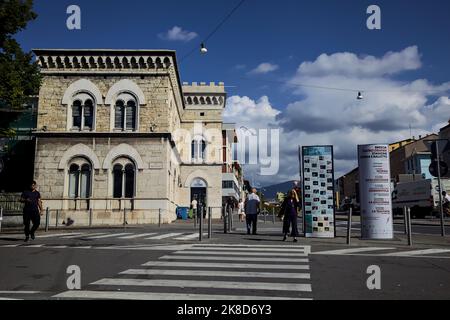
(422, 196)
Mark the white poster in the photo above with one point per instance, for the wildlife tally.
(375, 192)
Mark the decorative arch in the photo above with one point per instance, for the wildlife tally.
(124, 150)
(122, 86)
(197, 174)
(82, 85)
(79, 150)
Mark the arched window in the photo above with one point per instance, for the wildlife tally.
(124, 177)
(82, 113)
(125, 113)
(80, 179)
(198, 148)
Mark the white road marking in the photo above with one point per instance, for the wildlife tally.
(417, 252)
(163, 236)
(18, 292)
(56, 247)
(207, 273)
(57, 235)
(221, 265)
(82, 235)
(121, 295)
(253, 246)
(191, 236)
(141, 235)
(33, 246)
(250, 249)
(206, 284)
(259, 254)
(111, 235)
(352, 250)
(222, 258)
(10, 246)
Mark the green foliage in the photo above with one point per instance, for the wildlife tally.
(14, 16)
(19, 76)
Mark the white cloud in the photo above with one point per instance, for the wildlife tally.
(336, 117)
(178, 34)
(346, 63)
(264, 68)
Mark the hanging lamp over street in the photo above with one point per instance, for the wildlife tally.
(360, 96)
(203, 49)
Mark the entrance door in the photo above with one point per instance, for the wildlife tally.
(198, 192)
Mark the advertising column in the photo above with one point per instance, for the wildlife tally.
(375, 192)
(318, 191)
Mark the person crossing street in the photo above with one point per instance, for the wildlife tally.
(32, 211)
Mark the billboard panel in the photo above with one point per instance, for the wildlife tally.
(375, 192)
(318, 191)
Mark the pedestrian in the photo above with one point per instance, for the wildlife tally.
(446, 203)
(289, 211)
(251, 211)
(241, 209)
(194, 207)
(32, 210)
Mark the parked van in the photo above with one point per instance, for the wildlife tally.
(422, 196)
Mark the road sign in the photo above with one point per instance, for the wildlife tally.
(434, 168)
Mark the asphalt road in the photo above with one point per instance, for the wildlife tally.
(170, 263)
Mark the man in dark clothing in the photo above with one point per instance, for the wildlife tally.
(251, 210)
(31, 210)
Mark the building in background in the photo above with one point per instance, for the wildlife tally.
(412, 158)
(232, 177)
(118, 131)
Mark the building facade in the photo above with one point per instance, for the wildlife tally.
(118, 132)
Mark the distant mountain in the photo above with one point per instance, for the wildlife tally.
(270, 192)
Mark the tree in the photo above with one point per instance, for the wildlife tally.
(19, 76)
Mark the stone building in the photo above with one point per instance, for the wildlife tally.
(118, 132)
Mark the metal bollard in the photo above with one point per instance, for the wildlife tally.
(46, 219)
(209, 223)
(265, 217)
(409, 228)
(405, 219)
(273, 215)
(1, 218)
(200, 229)
(124, 216)
(90, 217)
(195, 218)
(57, 218)
(225, 219)
(349, 225)
(159, 217)
(230, 217)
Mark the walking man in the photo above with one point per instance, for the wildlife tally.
(251, 211)
(446, 203)
(31, 210)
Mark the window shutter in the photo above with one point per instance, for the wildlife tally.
(76, 114)
(88, 114)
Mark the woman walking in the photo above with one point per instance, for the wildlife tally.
(289, 210)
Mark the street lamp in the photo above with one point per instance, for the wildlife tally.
(203, 49)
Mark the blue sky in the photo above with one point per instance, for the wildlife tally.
(282, 35)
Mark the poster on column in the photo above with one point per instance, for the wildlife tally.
(318, 191)
(375, 192)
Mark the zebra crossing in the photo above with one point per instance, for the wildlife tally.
(433, 253)
(120, 236)
(211, 272)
